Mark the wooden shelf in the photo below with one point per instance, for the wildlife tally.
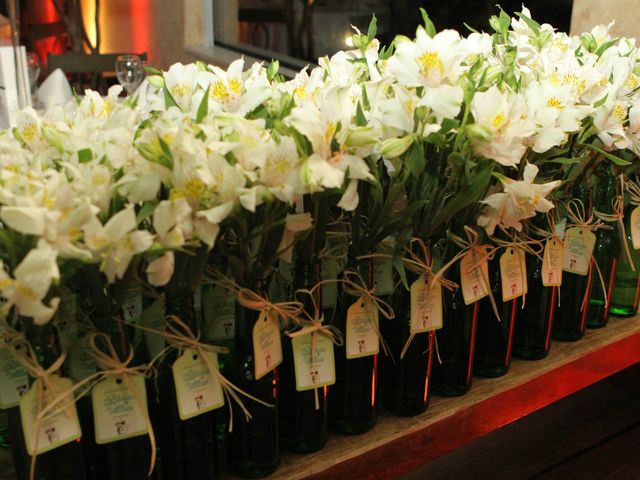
(397, 445)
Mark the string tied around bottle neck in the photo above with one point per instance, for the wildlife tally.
(314, 325)
(111, 365)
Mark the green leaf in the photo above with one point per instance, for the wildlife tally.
(85, 155)
(429, 27)
(600, 102)
(399, 266)
(145, 212)
(415, 159)
(202, 67)
(166, 151)
(609, 156)
(386, 52)
(373, 27)
(605, 46)
(361, 120)
(566, 160)
(470, 28)
(532, 24)
(274, 66)
(153, 70)
(169, 101)
(203, 108)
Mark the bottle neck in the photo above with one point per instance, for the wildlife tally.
(606, 194)
(44, 342)
(182, 306)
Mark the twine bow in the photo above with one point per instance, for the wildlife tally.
(423, 265)
(314, 325)
(111, 366)
(51, 398)
(179, 336)
(354, 285)
(577, 214)
(617, 206)
(481, 253)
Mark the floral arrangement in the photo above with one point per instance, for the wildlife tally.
(417, 139)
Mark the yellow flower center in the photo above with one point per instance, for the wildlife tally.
(300, 93)
(181, 90)
(498, 121)
(100, 242)
(175, 194)
(331, 130)
(619, 112)
(235, 86)
(278, 165)
(99, 179)
(194, 188)
(553, 102)
(5, 283)
(75, 234)
(430, 61)
(632, 82)
(219, 91)
(29, 132)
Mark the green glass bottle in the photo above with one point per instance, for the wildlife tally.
(253, 445)
(569, 323)
(187, 447)
(65, 462)
(532, 338)
(304, 428)
(456, 342)
(354, 397)
(494, 342)
(626, 286)
(404, 382)
(605, 254)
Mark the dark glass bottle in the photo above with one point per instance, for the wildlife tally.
(569, 322)
(304, 428)
(626, 286)
(127, 459)
(495, 337)
(605, 254)
(253, 445)
(404, 382)
(65, 462)
(532, 337)
(354, 397)
(456, 342)
(187, 447)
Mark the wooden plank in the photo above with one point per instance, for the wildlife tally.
(492, 403)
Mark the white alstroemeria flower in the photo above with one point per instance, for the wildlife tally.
(505, 119)
(610, 120)
(115, 243)
(182, 82)
(29, 127)
(30, 284)
(294, 224)
(234, 91)
(160, 270)
(520, 200)
(435, 64)
(281, 172)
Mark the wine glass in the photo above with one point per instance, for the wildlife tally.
(130, 71)
(33, 69)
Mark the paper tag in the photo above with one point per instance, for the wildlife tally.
(383, 276)
(474, 276)
(267, 347)
(219, 311)
(14, 381)
(426, 306)
(132, 305)
(552, 263)
(57, 429)
(513, 273)
(634, 224)
(316, 372)
(329, 270)
(65, 319)
(117, 413)
(362, 337)
(578, 248)
(198, 391)
(153, 317)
